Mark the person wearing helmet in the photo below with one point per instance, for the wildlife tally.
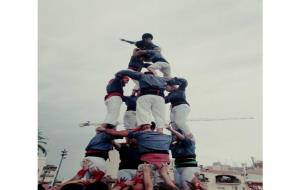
(113, 99)
(153, 54)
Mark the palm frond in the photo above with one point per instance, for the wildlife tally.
(41, 140)
(41, 148)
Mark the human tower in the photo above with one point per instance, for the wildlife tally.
(144, 157)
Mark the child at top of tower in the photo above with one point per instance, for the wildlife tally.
(153, 54)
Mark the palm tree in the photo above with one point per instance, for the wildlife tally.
(41, 143)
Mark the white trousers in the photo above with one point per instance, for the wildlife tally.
(179, 115)
(96, 163)
(163, 67)
(148, 106)
(113, 106)
(184, 174)
(126, 174)
(129, 120)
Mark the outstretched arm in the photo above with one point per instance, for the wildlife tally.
(128, 41)
(112, 132)
(132, 74)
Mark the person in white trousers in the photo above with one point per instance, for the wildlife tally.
(180, 108)
(150, 102)
(113, 99)
(94, 164)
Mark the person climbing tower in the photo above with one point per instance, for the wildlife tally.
(113, 99)
(151, 98)
(153, 54)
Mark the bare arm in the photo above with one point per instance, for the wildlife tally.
(135, 52)
(147, 177)
(164, 174)
(112, 132)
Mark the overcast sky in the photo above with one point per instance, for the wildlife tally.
(215, 44)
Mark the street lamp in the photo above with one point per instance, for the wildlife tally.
(63, 156)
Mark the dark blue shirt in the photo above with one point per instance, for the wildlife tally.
(151, 142)
(101, 141)
(147, 82)
(129, 157)
(155, 56)
(115, 85)
(177, 97)
(137, 64)
(143, 45)
(151, 55)
(183, 148)
(130, 102)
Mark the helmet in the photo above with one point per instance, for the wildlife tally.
(147, 35)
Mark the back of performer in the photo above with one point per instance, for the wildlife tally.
(113, 99)
(180, 108)
(129, 159)
(129, 118)
(183, 151)
(151, 98)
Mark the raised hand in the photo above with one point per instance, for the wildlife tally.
(146, 168)
(164, 169)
